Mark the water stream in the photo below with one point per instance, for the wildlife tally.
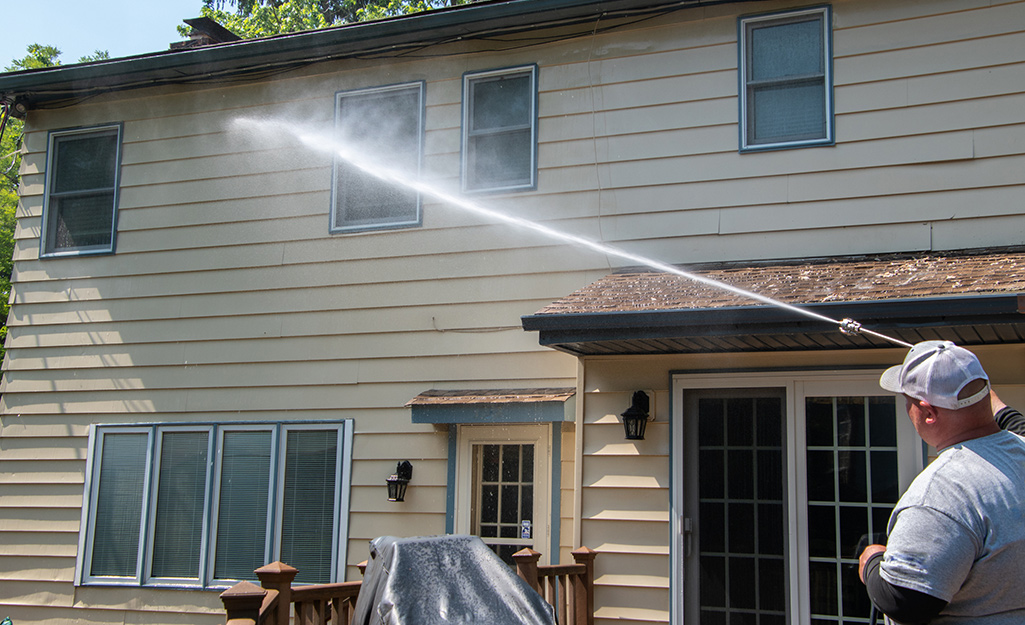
(318, 139)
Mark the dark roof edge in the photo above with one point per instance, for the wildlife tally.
(62, 82)
(1008, 308)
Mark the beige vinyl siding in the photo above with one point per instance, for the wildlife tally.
(228, 300)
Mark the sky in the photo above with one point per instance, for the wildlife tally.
(80, 27)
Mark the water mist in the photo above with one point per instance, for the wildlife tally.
(322, 140)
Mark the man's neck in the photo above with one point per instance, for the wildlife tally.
(979, 431)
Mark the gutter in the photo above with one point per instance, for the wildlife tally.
(748, 320)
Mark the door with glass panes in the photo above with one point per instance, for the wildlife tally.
(779, 484)
(502, 492)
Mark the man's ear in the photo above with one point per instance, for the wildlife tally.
(931, 412)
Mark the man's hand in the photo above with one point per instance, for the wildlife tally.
(869, 551)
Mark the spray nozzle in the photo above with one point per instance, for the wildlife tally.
(850, 327)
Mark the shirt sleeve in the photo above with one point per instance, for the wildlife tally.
(1011, 420)
(929, 552)
(900, 604)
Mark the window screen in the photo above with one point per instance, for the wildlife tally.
(787, 84)
(377, 127)
(81, 197)
(499, 130)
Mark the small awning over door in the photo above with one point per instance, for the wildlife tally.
(509, 405)
(973, 297)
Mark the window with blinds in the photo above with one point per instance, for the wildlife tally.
(80, 206)
(786, 95)
(206, 505)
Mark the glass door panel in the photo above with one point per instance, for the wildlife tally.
(852, 485)
(502, 508)
(503, 480)
(736, 567)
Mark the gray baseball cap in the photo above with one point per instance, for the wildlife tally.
(936, 371)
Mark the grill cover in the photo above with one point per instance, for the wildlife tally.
(444, 580)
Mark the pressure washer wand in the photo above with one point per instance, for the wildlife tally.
(851, 327)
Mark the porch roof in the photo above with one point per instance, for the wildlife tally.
(971, 297)
(507, 405)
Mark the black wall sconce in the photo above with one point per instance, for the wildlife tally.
(635, 419)
(398, 481)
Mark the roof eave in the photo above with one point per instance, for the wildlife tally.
(36, 86)
(560, 330)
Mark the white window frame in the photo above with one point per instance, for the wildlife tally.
(797, 387)
(336, 225)
(470, 134)
(49, 222)
(539, 435)
(745, 24)
(215, 432)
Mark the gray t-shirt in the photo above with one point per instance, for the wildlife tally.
(958, 533)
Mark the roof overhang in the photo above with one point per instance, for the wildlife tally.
(973, 320)
(265, 56)
(489, 406)
(973, 297)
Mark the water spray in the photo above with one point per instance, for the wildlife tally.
(323, 142)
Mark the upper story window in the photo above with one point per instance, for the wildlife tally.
(500, 130)
(205, 505)
(377, 126)
(786, 80)
(80, 208)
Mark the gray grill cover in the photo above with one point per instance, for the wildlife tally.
(444, 580)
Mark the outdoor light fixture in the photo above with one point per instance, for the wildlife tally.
(635, 419)
(398, 481)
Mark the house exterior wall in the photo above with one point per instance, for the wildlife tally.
(227, 299)
(626, 486)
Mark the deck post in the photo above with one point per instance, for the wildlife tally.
(279, 576)
(526, 567)
(585, 603)
(242, 603)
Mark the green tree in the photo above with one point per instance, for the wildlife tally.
(262, 18)
(38, 57)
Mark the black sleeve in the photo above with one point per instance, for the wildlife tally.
(1011, 420)
(900, 604)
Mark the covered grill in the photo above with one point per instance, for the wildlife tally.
(446, 580)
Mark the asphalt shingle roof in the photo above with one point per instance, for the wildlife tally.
(850, 279)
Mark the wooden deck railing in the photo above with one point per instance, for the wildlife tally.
(568, 588)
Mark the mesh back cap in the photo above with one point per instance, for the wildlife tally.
(936, 371)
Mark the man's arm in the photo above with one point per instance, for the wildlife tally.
(1011, 420)
(901, 604)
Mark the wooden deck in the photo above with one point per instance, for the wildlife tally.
(568, 588)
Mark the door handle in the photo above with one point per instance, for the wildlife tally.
(688, 536)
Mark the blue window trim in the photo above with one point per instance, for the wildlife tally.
(468, 77)
(205, 581)
(44, 234)
(333, 227)
(827, 42)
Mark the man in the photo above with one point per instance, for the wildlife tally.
(955, 550)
